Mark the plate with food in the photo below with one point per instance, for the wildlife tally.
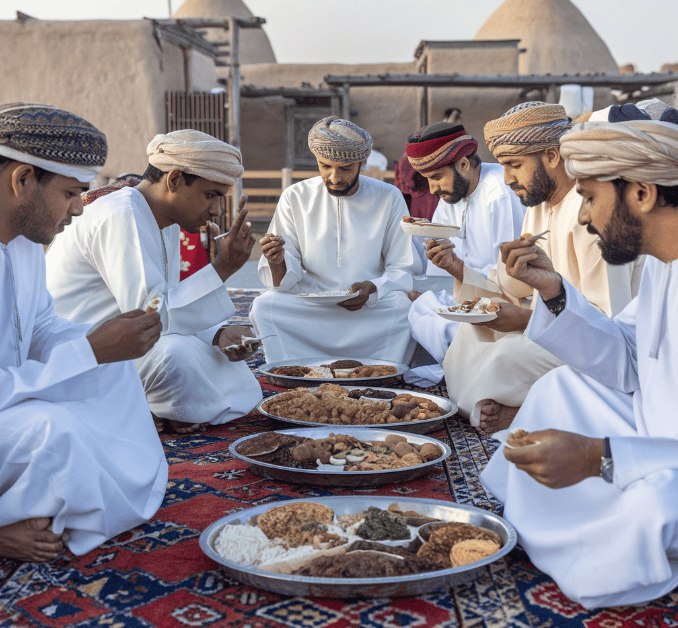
(324, 456)
(343, 407)
(513, 437)
(357, 547)
(313, 371)
(478, 310)
(327, 298)
(426, 228)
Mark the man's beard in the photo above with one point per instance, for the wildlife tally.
(28, 219)
(460, 186)
(541, 187)
(622, 238)
(344, 190)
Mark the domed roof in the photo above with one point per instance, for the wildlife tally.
(255, 46)
(558, 38)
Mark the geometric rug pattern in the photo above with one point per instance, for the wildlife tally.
(156, 575)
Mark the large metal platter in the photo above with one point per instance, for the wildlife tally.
(352, 479)
(412, 427)
(395, 586)
(288, 381)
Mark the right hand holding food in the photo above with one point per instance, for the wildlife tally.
(126, 337)
(441, 253)
(530, 264)
(273, 248)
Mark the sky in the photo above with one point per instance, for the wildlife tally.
(374, 31)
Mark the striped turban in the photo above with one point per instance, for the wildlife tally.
(339, 140)
(438, 145)
(527, 128)
(52, 139)
(196, 153)
(639, 150)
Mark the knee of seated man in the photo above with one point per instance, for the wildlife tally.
(46, 422)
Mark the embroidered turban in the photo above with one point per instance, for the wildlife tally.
(196, 153)
(639, 150)
(438, 145)
(339, 140)
(527, 128)
(52, 139)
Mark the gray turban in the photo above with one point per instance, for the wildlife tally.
(339, 140)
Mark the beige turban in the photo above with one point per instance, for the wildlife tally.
(638, 150)
(196, 153)
(339, 140)
(527, 128)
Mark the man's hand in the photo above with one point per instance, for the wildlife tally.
(529, 263)
(560, 459)
(364, 290)
(234, 249)
(273, 248)
(509, 318)
(125, 337)
(441, 253)
(229, 342)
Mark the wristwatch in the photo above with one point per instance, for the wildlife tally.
(557, 304)
(606, 464)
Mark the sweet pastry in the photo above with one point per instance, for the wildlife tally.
(471, 550)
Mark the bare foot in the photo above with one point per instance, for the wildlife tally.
(414, 295)
(184, 428)
(495, 416)
(30, 540)
(159, 423)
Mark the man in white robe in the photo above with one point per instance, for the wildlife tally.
(473, 196)
(80, 461)
(125, 247)
(490, 367)
(336, 232)
(609, 535)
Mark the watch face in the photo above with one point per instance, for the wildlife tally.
(607, 470)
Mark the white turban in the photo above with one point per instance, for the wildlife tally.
(638, 150)
(196, 153)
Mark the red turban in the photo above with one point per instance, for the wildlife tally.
(438, 145)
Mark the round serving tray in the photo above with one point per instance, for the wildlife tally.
(289, 381)
(412, 427)
(349, 479)
(394, 586)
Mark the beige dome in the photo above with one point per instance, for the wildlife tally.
(254, 44)
(558, 38)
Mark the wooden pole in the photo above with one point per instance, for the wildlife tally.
(234, 102)
(346, 102)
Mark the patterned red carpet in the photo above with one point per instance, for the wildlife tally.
(157, 576)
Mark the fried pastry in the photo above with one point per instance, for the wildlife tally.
(471, 550)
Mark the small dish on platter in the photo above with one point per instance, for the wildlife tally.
(331, 297)
(330, 475)
(429, 230)
(288, 583)
(461, 317)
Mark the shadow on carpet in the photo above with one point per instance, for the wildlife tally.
(157, 576)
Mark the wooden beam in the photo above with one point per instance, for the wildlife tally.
(531, 81)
